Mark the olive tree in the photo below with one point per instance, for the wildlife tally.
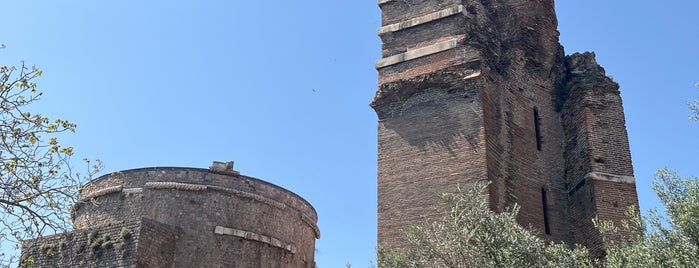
(38, 183)
(668, 241)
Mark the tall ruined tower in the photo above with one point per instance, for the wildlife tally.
(481, 90)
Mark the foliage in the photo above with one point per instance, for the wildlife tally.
(125, 233)
(471, 235)
(671, 241)
(38, 185)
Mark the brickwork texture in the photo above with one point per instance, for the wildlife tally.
(182, 217)
(473, 90)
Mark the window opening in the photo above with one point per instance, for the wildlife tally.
(537, 128)
(545, 206)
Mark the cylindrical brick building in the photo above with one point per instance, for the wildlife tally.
(191, 217)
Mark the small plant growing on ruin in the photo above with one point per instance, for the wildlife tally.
(118, 177)
(125, 234)
(48, 249)
(29, 259)
(107, 243)
(92, 236)
(99, 242)
(95, 241)
(44, 247)
(95, 245)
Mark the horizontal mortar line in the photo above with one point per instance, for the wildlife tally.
(417, 53)
(421, 20)
(220, 230)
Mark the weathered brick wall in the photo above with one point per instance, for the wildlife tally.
(198, 201)
(530, 124)
(520, 169)
(430, 142)
(202, 218)
(110, 245)
(596, 138)
(156, 244)
(396, 12)
(596, 100)
(598, 159)
(505, 60)
(431, 132)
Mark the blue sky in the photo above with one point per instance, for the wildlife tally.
(282, 88)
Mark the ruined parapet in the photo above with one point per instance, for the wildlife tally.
(221, 218)
(599, 178)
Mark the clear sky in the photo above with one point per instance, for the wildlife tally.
(282, 88)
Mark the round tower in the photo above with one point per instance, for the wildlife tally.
(215, 217)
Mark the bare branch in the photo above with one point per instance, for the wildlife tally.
(37, 182)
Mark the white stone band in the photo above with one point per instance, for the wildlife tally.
(610, 177)
(417, 53)
(220, 230)
(421, 20)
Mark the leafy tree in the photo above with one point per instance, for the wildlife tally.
(471, 235)
(671, 241)
(37, 182)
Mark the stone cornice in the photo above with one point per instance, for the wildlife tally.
(610, 177)
(417, 53)
(421, 20)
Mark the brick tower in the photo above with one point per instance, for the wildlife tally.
(182, 217)
(481, 90)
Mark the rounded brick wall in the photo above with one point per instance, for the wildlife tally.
(224, 219)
